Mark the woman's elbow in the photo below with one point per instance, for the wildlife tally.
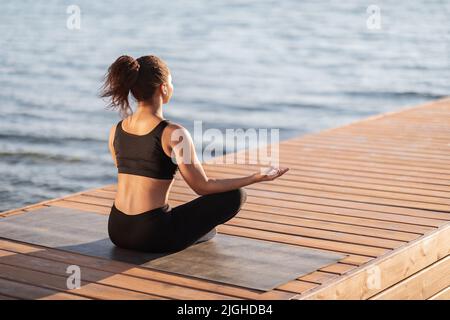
(200, 191)
(200, 186)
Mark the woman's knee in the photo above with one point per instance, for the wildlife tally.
(236, 198)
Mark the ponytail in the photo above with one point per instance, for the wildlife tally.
(141, 77)
(121, 77)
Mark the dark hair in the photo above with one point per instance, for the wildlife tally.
(140, 76)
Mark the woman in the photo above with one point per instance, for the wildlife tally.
(147, 160)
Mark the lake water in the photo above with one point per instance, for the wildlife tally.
(300, 66)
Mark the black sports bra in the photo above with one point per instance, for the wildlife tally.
(143, 155)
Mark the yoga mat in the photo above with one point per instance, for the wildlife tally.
(234, 260)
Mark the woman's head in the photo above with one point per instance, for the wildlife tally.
(147, 78)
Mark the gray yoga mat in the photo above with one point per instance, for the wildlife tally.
(239, 261)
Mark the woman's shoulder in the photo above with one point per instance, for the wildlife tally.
(114, 127)
(172, 126)
(176, 130)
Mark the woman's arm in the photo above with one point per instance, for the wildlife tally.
(191, 169)
(112, 131)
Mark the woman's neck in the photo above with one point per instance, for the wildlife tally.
(146, 109)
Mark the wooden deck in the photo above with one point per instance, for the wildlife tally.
(377, 190)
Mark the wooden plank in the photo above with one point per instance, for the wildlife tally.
(319, 277)
(363, 134)
(413, 208)
(300, 166)
(58, 283)
(21, 211)
(393, 124)
(433, 137)
(376, 152)
(294, 197)
(363, 219)
(315, 233)
(319, 206)
(364, 137)
(356, 260)
(338, 268)
(359, 145)
(124, 268)
(100, 193)
(45, 202)
(12, 212)
(325, 225)
(90, 275)
(82, 206)
(35, 208)
(30, 292)
(360, 166)
(383, 151)
(197, 283)
(297, 286)
(53, 226)
(320, 179)
(442, 295)
(302, 241)
(377, 161)
(421, 285)
(251, 268)
(387, 270)
(92, 200)
(295, 184)
(308, 168)
(276, 295)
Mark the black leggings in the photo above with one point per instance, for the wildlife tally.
(168, 229)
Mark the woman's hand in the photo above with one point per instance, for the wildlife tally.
(269, 174)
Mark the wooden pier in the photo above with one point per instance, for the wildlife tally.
(377, 190)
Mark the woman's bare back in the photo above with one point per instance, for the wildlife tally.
(137, 194)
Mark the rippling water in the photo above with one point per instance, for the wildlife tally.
(301, 66)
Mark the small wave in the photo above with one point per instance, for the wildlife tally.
(23, 156)
(25, 115)
(56, 140)
(394, 94)
(308, 106)
(22, 101)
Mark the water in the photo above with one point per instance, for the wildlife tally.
(300, 66)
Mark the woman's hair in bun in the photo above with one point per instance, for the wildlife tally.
(140, 76)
